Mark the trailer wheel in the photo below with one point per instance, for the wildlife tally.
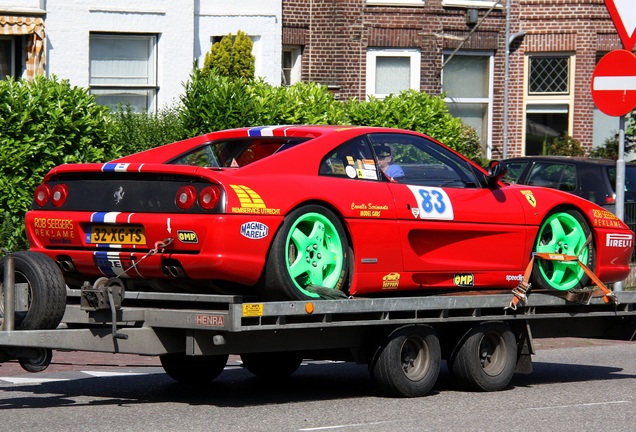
(485, 359)
(193, 369)
(272, 365)
(309, 257)
(37, 363)
(409, 363)
(565, 233)
(45, 292)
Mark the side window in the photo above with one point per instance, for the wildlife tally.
(568, 179)
(416, 160)
(353, 159)
(514, 171)
(553, 175)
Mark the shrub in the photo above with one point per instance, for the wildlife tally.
(135, 132)
(44, 123)
(565, 146)
(231, 57)
(212, 102)
(416, 111)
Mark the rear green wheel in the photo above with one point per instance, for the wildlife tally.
(308, 259)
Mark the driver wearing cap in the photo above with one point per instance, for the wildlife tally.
(384, 153)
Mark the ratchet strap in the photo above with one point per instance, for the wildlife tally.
(520, 293)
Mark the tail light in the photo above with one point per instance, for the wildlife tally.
(610, 199)
(186, 197)
(59, 194)
(209, 197)
(42, 195)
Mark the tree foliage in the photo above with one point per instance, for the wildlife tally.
(231, 57)
(44, 123)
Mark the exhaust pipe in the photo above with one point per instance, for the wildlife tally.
(174, 271)
(67, 266)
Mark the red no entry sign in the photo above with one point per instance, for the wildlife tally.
(614, 83)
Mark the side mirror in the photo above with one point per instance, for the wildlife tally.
(496, 170)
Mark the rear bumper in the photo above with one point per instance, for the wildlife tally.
(232, 248)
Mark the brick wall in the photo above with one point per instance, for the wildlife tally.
(335, 35)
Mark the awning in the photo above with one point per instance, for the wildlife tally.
(27, 26)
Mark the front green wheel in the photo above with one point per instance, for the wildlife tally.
(308, 258)
(564, 233)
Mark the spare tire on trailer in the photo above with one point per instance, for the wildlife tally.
(44, 291)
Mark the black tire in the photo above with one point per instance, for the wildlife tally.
(309, 257)
(568, 237)
(273, 365)
(193, 369)
(486, 358)
(408, 364)
(46, 296)
(37, 363)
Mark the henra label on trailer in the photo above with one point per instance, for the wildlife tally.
(623, 13)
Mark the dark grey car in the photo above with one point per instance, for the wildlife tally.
(592, 179)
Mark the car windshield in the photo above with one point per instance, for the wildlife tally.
(235, 153)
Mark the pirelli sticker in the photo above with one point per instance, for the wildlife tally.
(251, 202)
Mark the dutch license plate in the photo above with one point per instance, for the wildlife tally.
(116, 234)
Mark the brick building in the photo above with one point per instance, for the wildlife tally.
(376, 47)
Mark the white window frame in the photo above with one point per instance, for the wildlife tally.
(415, 57)
(482, 100)
(151, 88)
(295, 71)
(395, 2)
(536, 103)
(480, 4)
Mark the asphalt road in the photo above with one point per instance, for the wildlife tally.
(581, 385)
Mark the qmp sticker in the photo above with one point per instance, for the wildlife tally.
(433, 203)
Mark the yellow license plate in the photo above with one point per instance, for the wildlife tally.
(116, 234)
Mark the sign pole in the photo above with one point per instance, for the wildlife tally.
(620, 181)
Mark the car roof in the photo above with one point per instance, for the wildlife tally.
(575, 159)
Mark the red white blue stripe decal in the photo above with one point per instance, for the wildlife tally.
(115, 167)
(114, 264)
(105, 217)
(121, 167)
(267, 131)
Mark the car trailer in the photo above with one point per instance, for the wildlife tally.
(402, 339)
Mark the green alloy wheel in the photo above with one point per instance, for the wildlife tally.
(564, 233)
(308, 259)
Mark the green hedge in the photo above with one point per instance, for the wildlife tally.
(212, 103)
(44, 123)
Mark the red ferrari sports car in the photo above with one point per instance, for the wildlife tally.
(301, 212)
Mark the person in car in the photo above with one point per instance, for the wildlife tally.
(384, 153)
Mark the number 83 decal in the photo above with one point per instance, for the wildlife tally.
(432, 203)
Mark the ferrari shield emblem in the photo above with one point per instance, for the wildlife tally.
(530, 197)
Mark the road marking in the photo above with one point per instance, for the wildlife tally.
(344, 426)
(581, 405)
(22, 380)
(105, 374)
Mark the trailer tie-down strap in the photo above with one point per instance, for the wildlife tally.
(520, 293)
